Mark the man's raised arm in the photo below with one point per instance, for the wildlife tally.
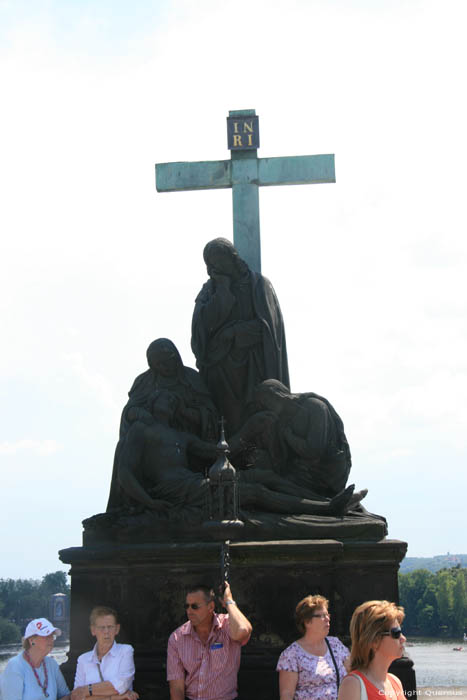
(239, 626)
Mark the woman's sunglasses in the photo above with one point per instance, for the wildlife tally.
(394, 632)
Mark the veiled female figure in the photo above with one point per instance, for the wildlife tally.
(195, 412)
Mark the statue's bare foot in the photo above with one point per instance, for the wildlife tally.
(356, 498)
(340, 503)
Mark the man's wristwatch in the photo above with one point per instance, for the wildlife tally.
(230, 602)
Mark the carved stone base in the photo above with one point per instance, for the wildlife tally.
(146, 583)
(120, 528)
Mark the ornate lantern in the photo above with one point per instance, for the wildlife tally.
(223, 496)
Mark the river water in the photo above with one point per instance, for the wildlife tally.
(436, 664)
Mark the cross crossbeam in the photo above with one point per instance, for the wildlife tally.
(245, 173)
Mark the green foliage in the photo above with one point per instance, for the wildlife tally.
(444, 596)
(9, 632)
(24, 599)
(55, 583)
(435, 603)
(459, 600)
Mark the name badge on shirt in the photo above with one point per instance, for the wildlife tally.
(216, 645)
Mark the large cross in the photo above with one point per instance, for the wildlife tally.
(245, 173)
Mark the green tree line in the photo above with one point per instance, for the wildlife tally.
(435, 603)
(22, 600)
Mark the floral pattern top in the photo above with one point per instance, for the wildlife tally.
(316, 674)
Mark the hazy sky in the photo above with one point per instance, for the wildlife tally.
(370, 271)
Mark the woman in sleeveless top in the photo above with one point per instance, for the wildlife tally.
(311, 667)
(377, 640)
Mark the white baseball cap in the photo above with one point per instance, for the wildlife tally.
(42, 627)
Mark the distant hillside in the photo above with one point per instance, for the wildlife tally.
(433, 564)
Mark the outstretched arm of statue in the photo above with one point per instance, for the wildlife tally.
(134, 489)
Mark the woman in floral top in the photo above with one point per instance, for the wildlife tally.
(307, 669)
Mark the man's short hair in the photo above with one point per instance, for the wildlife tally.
(207, 591)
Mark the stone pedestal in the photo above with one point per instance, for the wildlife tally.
(146, 583)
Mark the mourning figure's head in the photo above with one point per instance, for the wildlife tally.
(163, 357)
(222, 258)
(273, 395)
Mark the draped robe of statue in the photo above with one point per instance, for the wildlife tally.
(195, 413)
(153, 471)
(318, 451)
(238, 339)
(307, 443)
(188, 386)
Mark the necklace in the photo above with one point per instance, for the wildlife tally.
(46, 678)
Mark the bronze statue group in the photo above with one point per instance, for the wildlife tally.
(290, 450)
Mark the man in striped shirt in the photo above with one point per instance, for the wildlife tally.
(203, 655)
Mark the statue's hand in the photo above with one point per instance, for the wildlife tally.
(222, 281)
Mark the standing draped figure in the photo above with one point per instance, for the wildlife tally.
(238, 335)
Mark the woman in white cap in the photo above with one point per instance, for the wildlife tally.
(33, 675)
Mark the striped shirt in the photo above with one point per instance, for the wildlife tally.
(209, 670)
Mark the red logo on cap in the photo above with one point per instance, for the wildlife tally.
(38, 625)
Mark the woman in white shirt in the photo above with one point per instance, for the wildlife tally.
(107, 670)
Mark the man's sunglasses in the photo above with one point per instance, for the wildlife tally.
(193, 606)
(394, 632)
